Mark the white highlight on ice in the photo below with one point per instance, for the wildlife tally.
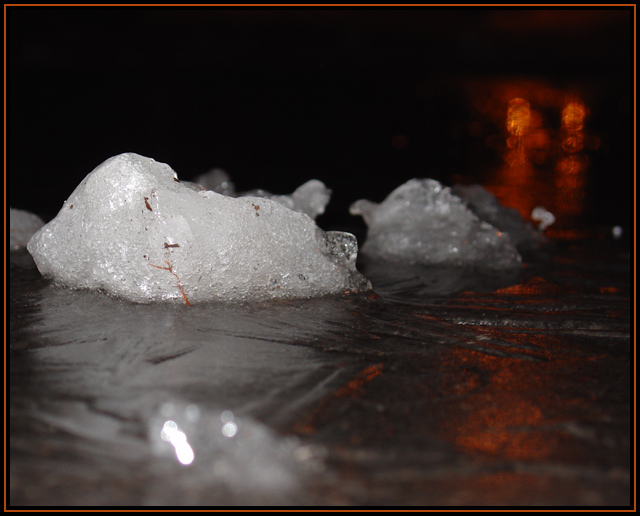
(172, 434)
(229, 428)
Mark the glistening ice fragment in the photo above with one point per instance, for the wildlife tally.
(422, 222)
(133, 229)
(224, 451)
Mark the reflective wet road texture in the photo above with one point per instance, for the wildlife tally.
(441, 388)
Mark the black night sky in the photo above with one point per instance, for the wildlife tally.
(363, 99)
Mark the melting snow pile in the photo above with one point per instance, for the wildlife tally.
(22, 225)
(310, 198)
(133, 229)
(422, 222)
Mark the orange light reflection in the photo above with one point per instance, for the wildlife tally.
(509, 409)
(356, 383)
(518, 117)
(573, 116)
(543, 165)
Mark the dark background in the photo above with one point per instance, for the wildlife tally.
(363, 99)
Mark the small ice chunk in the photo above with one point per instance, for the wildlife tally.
(508, 220)
(421, 222)
(193, 186)
(217, 180)
(310, 198)
(341, 244)
(133, 229)
(543, 216)
(22, 225)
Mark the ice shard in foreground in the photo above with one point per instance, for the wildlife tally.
(422, 222)
(134, 230)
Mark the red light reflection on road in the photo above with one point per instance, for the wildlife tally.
(366, 375)
(535, 286)
(510, 412)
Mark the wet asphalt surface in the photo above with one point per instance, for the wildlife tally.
(440, 388)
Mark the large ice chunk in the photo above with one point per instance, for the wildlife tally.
(508, 220)
(310, 198)
(421, 222)
(22, 225)
(133, 229)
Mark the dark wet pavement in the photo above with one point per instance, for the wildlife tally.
(442, 388)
